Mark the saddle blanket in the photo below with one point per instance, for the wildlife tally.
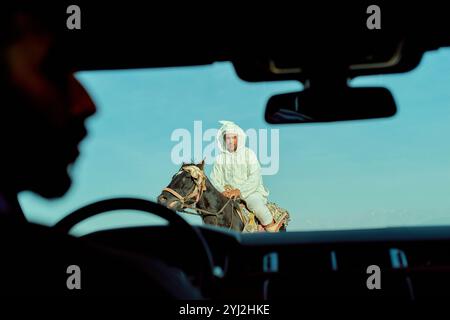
(251, 222)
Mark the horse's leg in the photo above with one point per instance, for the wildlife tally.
(239, 224)
(211, 220)
(234, 221)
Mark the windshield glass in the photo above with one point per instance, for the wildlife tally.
(346, 175)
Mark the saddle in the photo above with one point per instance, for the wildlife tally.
(251, 222)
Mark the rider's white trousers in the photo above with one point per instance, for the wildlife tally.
(257, 203)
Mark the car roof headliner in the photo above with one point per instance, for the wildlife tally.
(147, 36)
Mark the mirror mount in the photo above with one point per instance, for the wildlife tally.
(326, 84)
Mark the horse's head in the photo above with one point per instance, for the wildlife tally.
(186, 187)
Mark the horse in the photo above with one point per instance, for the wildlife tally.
(190, 188)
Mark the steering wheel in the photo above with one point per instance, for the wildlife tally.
(205, 278)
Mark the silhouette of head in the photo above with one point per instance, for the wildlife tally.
(43, 107)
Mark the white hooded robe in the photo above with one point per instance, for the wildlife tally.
(239, 169)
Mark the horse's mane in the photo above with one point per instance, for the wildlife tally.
(208, 181)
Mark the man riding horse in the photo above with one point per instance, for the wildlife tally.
(237, 174)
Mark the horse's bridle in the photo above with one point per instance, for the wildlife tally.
(199, 178)
(199, 187)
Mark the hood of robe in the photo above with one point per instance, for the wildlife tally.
(229, 127)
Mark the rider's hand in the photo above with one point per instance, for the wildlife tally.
(235, 193)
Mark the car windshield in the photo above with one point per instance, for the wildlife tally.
(344, 175)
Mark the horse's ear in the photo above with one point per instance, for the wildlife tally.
(201, 165)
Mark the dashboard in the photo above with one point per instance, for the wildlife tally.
(406, 263)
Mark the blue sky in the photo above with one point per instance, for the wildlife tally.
(348, 175)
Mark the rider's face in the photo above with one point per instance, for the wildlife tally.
(231, 142)
(43, 114)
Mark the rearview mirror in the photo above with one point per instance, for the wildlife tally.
(328, 105)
